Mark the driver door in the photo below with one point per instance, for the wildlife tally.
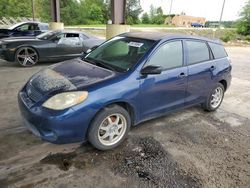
(27, 29)
(166, 91)
(70, 45)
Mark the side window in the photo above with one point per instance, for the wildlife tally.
(24, 27)
(168, 56)
(218, 50)
(197, 52)
(70, 39)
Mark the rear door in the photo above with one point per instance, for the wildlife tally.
(166, 91)
(200, 70)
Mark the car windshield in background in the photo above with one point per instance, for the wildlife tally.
(120, 53)
(14, 26)
(46, 35)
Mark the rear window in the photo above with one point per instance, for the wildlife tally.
(218, 50)
(197, 51)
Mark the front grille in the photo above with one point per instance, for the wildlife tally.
(33, 93)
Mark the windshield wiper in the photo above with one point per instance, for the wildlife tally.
(105, 65)
(99, 63)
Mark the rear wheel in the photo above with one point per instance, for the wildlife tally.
(109, 128)
(215, 98)
(26, 56)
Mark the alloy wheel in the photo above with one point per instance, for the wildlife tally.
(112, 129)
(216, 97)
(27, 56)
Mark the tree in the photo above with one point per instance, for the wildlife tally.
(42, 10)
(133, 10)
(15, 8)
(69, 11)
(156, 15)
(243, 26)
(152, 11)
(145, 18)
(73, 12)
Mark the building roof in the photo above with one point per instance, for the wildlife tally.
(156, 36)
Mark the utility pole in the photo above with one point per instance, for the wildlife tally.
(222, 10)
(33, 9)
(170, 10)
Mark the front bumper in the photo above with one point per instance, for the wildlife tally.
(58, 127)
(7, 55)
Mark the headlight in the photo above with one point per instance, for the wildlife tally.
(65, 100)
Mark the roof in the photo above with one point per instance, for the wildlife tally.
(164, 36)
(73, 31)
(35, 22)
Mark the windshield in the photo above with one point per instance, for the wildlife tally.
(46, 35)
(120, 53)
(14, 26)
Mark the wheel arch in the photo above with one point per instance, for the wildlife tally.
(124, 104)
(224, 83)
(29, 46)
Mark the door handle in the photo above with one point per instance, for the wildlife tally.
(212, 68)
(182, 75)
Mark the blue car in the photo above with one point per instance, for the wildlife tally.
(129, 79)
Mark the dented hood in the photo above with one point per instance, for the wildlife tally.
(69, 75)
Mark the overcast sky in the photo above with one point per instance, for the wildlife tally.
(210, 9)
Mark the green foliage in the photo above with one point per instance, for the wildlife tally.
(229, 35)
(42, 9)
(15, 8)
(226, 24)
(156, 16)
(145, 18)
(133, 10)
(76, 12)
(243, 26)
(247, 38)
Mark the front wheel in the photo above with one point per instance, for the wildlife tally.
(26, 56)
(109, 128)
(215, 98)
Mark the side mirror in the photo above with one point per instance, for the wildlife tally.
(151, 69)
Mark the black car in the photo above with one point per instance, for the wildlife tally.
(24, 29)
(49, 46)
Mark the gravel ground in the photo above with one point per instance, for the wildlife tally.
(189, 148)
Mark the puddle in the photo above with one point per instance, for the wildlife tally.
(62, 160)
(143, 159)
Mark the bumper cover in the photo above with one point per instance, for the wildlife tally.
(57, 127)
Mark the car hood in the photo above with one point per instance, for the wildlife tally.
(4, 30)
(19, 39)
(69, 76)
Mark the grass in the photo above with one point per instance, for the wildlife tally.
(135, 25)
(227, 34)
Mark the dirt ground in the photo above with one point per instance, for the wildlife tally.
(190, 148)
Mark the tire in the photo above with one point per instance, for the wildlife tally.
(107, 123)
(26, 56)
(211, 106)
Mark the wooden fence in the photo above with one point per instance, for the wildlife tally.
(6, 22)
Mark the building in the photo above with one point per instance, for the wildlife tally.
(186, 21)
